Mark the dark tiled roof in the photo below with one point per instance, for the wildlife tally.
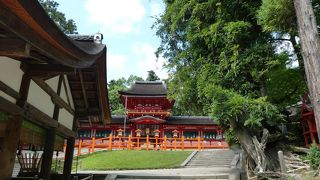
(187, 120)
(147, 117)
(194, 120)
(77, 37)
(117, 119)
(146, 88)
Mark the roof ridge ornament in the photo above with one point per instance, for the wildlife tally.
(98, 37)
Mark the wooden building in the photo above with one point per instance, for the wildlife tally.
(50, 85)
(148, 110)
(308, 122)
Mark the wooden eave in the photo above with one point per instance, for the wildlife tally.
(28, 34)
(29, 22)
(89, 94)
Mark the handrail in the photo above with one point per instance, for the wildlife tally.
(147, 143)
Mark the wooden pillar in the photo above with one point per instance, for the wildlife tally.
(10, 144)
(79, 146)
(47, 154)
(45, 171)
(93, 142)
(147, 142)
(12, 132)
(68, 159)
(110, 141)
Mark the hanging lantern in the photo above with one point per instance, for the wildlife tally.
(175, 133)
(120, 131)
(156, 133)
(138, 132)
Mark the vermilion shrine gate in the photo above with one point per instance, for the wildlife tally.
(148, 120)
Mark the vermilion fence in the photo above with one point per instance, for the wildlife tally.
(147, 143)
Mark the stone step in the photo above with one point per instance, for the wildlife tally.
(201, 165)
(217, 158)
(212, 160)
(172, 179)
(217, 176)
(194, 163)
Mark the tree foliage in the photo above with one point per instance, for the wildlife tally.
(277, 16)
(114, 86)
(68, 26)
(152, 76)
(222, 62)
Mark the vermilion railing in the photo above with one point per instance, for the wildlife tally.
(147, 143)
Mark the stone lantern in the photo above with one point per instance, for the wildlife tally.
(147, 131)
(175, 133)
(156, 133)
(120, 132)
(138, 132)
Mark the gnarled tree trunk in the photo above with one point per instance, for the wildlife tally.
(310, 45)
(263, 158)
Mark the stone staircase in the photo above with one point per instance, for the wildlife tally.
(211, 158)
(208, 164)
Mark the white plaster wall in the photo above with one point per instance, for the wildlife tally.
(40, 99)
(53, 83)
(11, 75)
(65, 118)
(68, 91)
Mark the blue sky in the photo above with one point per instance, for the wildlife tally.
(126, 26)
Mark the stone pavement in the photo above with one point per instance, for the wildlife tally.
(207, 164)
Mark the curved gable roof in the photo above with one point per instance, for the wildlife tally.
(146, 88)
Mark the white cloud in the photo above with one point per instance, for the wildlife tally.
(148, 61)
(116, 17)
(116, 61)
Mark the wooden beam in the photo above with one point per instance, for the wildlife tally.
(85, 82)
(55, 98)
(56, 107)
(88, 112)
(14, 48)
(8, 90)
(38, 117)
(83, 89)
(24, 90)
(19, 49)
(65, 132)
(87, 91)
(9, 145)
(66, 89)
(36, 69)
(9, 107)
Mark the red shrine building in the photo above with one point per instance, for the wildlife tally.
(149, 111)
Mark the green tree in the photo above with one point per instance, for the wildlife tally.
(152, 76)
(278, 17)
(221, 62)
(114, 86)
(68, 26)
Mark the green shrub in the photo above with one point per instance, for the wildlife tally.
(314, 156)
